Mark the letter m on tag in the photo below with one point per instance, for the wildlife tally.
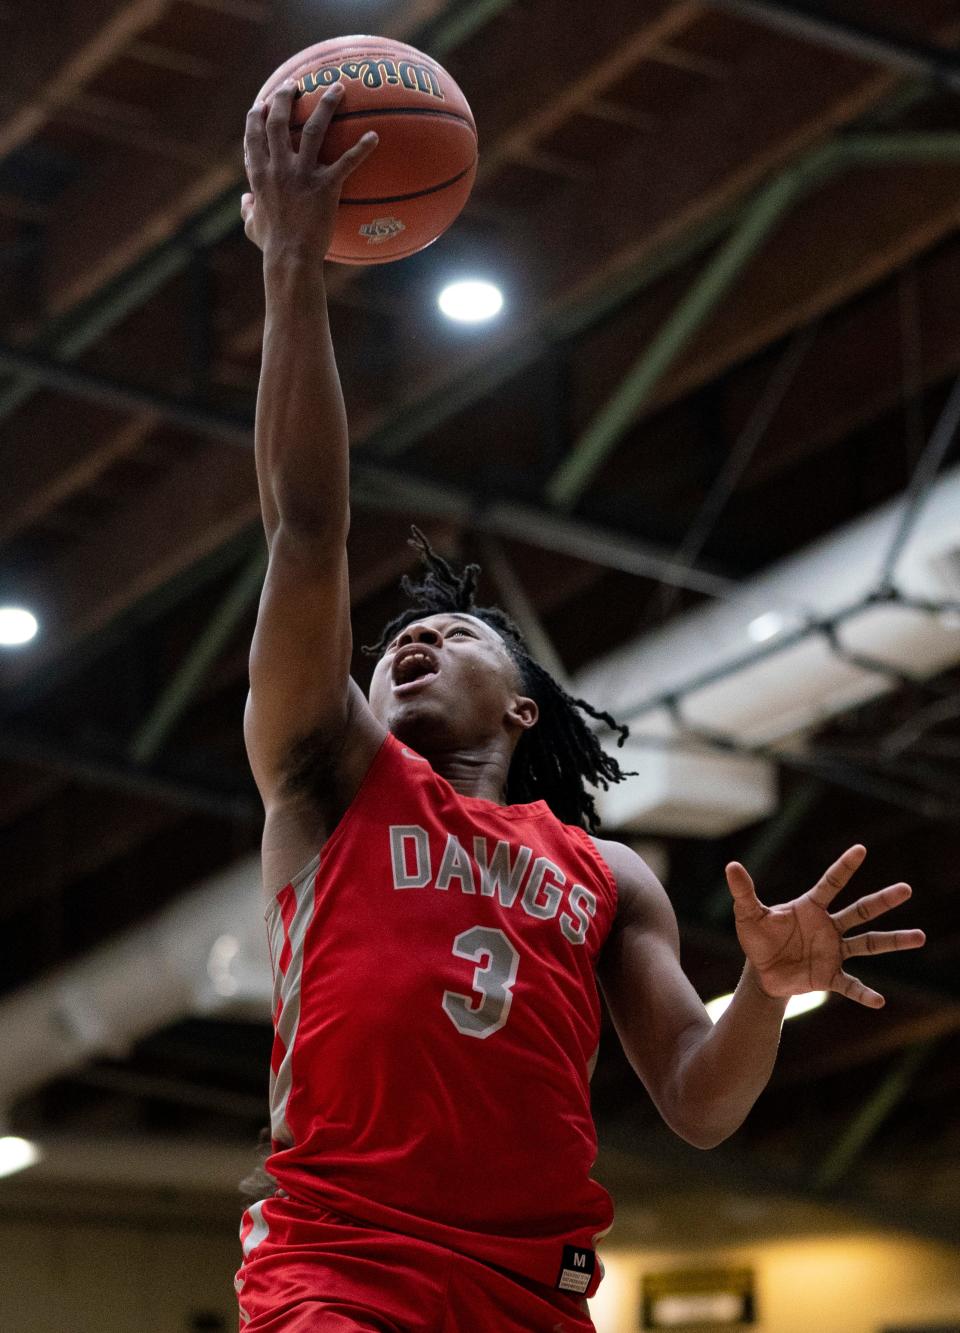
(576, 1270)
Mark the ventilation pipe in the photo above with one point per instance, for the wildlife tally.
(206, 954)
(759, 667)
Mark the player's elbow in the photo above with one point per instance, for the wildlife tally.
(701, 1129)
(704, 1137)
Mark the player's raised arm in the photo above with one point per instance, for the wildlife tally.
(300, 657)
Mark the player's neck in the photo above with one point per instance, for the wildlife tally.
(479, 772)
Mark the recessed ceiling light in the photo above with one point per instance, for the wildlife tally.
(16, 1154)
(222, 954)
(802, 1004)
(766, 626)
(797, 1004)
(16, 626)
(470, 302)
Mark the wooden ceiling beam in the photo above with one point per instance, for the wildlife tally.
(669, 20)
(22, 788)
(160, 56)
(112, 30)
(877, 219)
(191, 510)
(38, 480)
(134, 211)
(521, 140)
(86, 616)
(72, 837)
(863, 1048)
(249, 11)
(666, 187)
(123, 124)
(199, 504)
(854, 373)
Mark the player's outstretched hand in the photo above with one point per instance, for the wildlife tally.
(294, 198)
(800, 946)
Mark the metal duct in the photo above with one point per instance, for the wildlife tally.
(706, 670)
(207, 953)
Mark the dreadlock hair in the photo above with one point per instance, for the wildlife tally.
(552, 760)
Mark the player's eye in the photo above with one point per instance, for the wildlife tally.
(460, 630)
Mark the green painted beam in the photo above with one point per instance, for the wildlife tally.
(456, 28)
(57, 672)
(555, 325)
(767, 843)
(219, 795)
(756, 222)
(857, 38)
(68, 338)
(514, 599)
(865, 1124)
(626, 1140)
(182, 689)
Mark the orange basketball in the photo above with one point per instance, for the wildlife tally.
(418, 178)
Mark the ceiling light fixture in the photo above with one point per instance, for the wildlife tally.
(16, 626)
(470, 302)
(797, 1004)
(16, 1154)
(766, 626)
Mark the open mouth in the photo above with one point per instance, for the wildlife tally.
(413, 671)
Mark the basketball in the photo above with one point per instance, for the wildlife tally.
(415, 183)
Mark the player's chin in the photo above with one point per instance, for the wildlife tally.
(420, 718)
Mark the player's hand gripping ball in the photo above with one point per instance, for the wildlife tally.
(400, 194)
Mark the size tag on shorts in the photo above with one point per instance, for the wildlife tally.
(576, 1269)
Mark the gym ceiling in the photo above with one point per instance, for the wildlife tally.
(727, 234)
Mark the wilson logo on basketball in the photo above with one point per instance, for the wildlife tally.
(381, 229)
(374, 74)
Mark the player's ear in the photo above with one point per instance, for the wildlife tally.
(523, 712)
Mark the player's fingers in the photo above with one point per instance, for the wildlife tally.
(352, 158)
(745, 900)
(873, 905)
(255, 151)
(833, 880)
(882, 941)
(739, 881)
(278, 121)
(315, 127)
(855, 990)
(247, 214)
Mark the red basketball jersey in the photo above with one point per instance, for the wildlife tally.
(435, 1012)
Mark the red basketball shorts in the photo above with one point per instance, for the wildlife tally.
(307, 1270)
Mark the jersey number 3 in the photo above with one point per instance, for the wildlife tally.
(494, 981)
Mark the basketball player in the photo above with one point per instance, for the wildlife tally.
(440, 909)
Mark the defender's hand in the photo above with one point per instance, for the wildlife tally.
(294, 199)
(800, 946)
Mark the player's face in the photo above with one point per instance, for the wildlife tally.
(445, 680)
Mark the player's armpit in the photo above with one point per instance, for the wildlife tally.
(655, 1010)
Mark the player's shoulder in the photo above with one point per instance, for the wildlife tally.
(640, 895)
